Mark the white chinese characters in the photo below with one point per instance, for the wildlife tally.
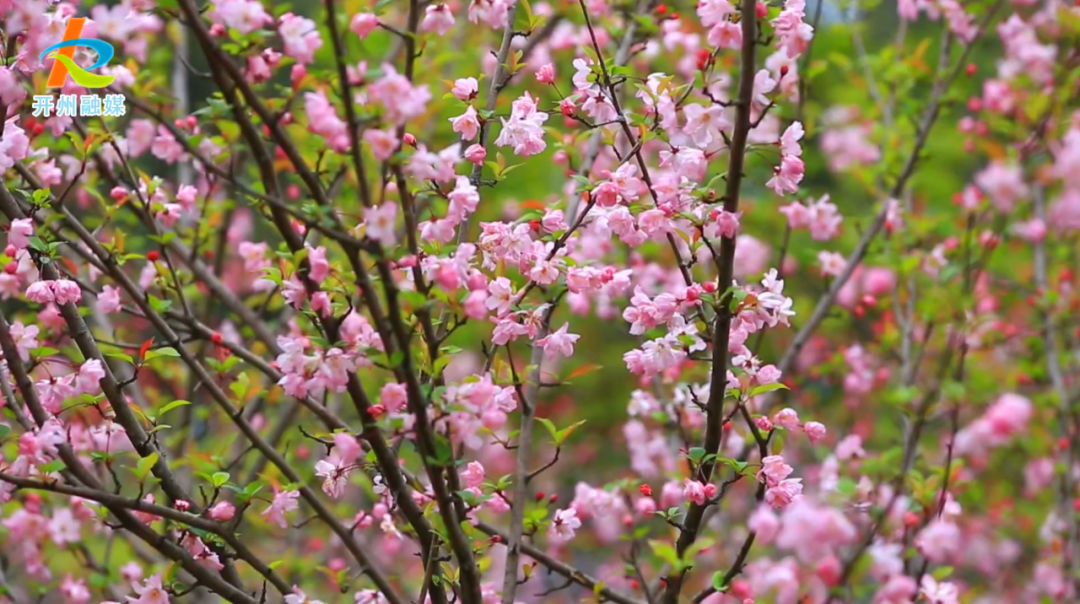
(79, 105)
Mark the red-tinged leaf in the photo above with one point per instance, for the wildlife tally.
(584, 370)
(533, 204)
(145, 346)
(71, 265)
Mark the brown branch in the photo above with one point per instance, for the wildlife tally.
(722, 328)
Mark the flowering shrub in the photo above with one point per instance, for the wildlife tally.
(286, 329)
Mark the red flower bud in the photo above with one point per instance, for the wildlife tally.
(970, 69)
(762, 10)
(974, 104)
(911, 519)
(645, 490)
(376, 410)
(153, 255)
(704, 58)
(709, 287)
(409, 139)
(661, 9)
(11, 267)
(216, 338)
(10, 251)
(540, 495)
(554, 498)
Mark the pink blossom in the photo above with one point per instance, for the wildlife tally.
(1003, 184)
(87, 381)
(221, 511)
(283, 503)
(245, 16)
(1033, 230)
(319, 265)
(475, 154)
(380, 221)
(74, 591)
(363, 24)
(558, 343)
(166, 148)
(563, 525)
(492, 12)
(25, 337)
(774, 469)
(788, 418)
(939, 592)
(698, 493)
(939, 541)
(704, 124)
(713, 12)
(832, 263)
(815, 431)
(383, 144)
(726, 35)
(438, 18)
(765, 524)
(19, 232)
(300, 36)
(465, 89)
(784, 493)
(500, 296)
(900, 589)
(546, 74)
(401, 100)
(794, 34)
(150, 592)
(466, 124)
(325, 122)
(787, 176)
(524, 130)
(473, 474)
(393, 396)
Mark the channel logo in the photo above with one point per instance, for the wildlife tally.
(64, 53)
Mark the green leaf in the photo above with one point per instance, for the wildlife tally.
(4, 430)
(159, 305)
(666, 552)
(53, 466)
(173, 405)
(696, 454)
(550, 427)
(718, 581)
(219, 479)
(942, 573)
(160, 352)
(762, 389)
(565, 433)
(142, 468)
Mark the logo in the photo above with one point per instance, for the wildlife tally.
(86, 105)
(65, 53)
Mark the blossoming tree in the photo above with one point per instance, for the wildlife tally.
(306, 310)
